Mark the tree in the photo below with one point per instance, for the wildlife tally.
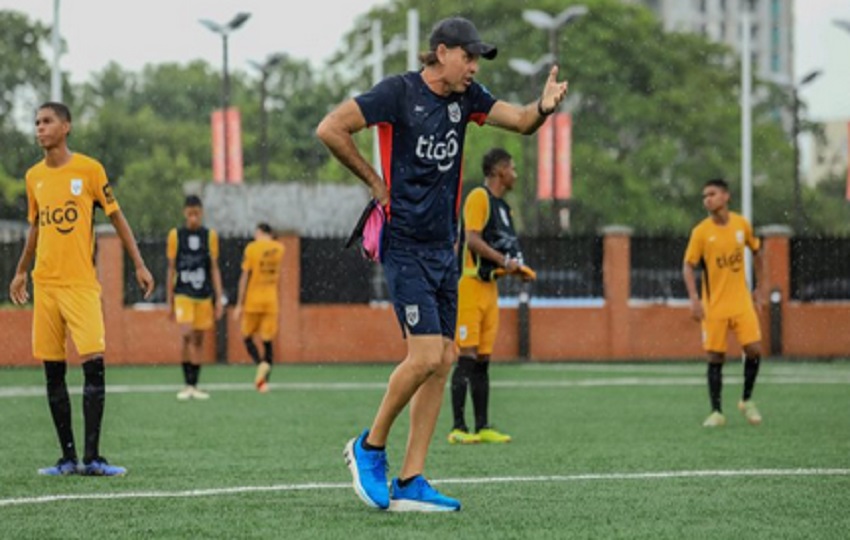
(24, 75)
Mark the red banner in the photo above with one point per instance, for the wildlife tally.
(563, 156)
(544, 160)
(234, 146)
(559, 187)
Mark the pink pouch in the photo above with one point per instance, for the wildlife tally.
(372, 233)
(368, 231)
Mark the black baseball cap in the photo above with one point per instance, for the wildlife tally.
(460, 32)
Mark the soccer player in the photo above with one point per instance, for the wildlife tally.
(717, 246)
(422, 118)
(63, 191)
(193, 281)
(490, 249)
(257, 303)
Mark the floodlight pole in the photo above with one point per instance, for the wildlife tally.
(800, 221)
(746, 131)
(544, 21)
(265, 71)
(530, 71)
(55, 72)
(224, 31)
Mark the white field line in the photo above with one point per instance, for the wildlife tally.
(34, 391)
(315, 486)
(802, 369)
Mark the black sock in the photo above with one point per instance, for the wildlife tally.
(751, 371)
(480, 384)
(715, 385)
(252, 349)
(60, 407)
(94, 396)
(194, 374)
(404, 482)
(187, 373)
(460, 382)
(366, 446)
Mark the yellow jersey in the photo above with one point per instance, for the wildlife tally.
(476, 214)
(719, 250)
(262, 258)
(61, 202)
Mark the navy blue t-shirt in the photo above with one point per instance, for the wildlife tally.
(421, 137)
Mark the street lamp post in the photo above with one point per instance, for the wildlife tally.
(224, 31)
(544, 21)
(530, 70)
(55, 43)
(265, 70)
(800, 220)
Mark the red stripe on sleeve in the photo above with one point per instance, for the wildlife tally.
(478, 117)
(385, 144)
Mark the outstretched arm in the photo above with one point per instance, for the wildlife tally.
(336, 131)
(526, 119)
(125, 233)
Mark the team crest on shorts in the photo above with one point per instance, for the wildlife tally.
(76, 187)
(454, 112)
(411, 315)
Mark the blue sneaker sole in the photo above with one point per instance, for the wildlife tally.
(409, 505)
(348, 454)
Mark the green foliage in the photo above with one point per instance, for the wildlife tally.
(655, 114)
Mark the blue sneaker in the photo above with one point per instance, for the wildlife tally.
(419, 496)
(369, 470)
(100, 467)
(63, 467)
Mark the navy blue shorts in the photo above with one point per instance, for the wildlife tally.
(423, 286)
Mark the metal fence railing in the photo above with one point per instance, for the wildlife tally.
(331, 274)
(656, 268)
(10, 252)
(820, 269)
(567, 268)
(153, 251)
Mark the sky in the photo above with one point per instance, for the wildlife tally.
(134, 33)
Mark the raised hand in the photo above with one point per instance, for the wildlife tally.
(554, 92)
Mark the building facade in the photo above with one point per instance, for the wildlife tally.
(771, 30)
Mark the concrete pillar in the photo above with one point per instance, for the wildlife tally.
(289, 295)
(110, 273)
(616, 277)
(777, 273)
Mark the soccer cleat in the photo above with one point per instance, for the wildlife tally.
(63, 467)
(491, 435)
(199, 394)
(100, 467)
(419, 496)
(461, 436)
(185, 394)
(261, 379)
(748, 409)
(715, 419)
(369, 472)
